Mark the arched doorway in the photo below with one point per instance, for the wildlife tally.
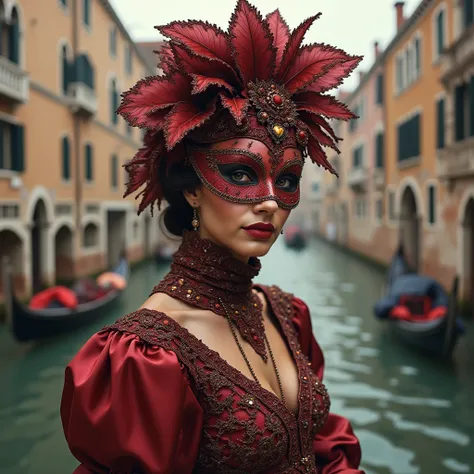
(410, 228)
(38, 245)
(63, 249)
(468, 252)
(11, 246)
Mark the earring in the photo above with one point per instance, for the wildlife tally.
(281, 232)
(195, 220)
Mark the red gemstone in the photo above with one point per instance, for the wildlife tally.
(264, 115)
(261, 90)
(255, 338)
(302, 134)
(277, 99)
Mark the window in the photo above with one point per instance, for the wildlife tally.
(379, 90)
(399, 68)
(391, 205)
(114, 172)
(14, 38)
(84, 72)
(113, 42)
(12, 150)
(91, 236)
(409, 138)
(379, 209)
(89, 163)
(358, 156)
(468, 12)
(315, 187)
(65, 70)
(114, 102)
(432, 204)
(440, 33)
(65, 159)
(128, 59)
(408, 64)
(440, 125)
(379, 149)
(417, 58)
(86, 12)
(460, 96)
(63, 3)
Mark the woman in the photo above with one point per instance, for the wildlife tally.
(213, 374)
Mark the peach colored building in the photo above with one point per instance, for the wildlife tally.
(63, 66)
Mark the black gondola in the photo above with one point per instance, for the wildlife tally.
(427, 317)
(34, 324)
(295, 238)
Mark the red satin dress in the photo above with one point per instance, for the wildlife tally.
(146, 396)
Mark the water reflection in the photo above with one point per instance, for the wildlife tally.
(412, 414)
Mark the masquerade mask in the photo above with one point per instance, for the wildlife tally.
(245, 171)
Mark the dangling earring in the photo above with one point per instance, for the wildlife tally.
(195, 221)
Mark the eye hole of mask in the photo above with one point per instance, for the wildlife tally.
(238, 174)
(288, 182)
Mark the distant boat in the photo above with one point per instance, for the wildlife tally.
(295, 237)
(33, 324)
(418, 310)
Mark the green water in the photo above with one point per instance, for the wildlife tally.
(412, 414)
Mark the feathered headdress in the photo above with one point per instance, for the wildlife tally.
(216, 84)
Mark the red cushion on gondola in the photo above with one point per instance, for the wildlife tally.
(403, 312)
(436, 313)
(400, 312)
(64, 296)
(417, 305)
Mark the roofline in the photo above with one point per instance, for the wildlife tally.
(383, 55)
(124, 31)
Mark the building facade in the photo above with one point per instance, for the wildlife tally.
(63, 66)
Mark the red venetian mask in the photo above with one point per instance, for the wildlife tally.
(245, 171)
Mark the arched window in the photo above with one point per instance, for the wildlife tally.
(91, 236)
(66, 159)
(114, 101)
(14, 38)
(89, 163)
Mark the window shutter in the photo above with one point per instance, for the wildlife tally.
(86, 12)
(468, 13)
(459, 112)
(89, 163)
(416, 135)
(14, 42)
(379, 144)
(379, 92)
(18, 148)
(432, 204)
(471, 107)
(440, 31)
(440, 124)
(114, 171)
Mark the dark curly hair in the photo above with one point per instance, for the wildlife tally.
(178, 215)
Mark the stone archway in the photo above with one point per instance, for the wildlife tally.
(410, 228)
(63, 244)
(39, 247)
(11, 246)
(468, 252)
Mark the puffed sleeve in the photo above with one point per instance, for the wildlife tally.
(336, 448)
(127, 407)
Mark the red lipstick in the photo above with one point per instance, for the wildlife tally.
(260, 230)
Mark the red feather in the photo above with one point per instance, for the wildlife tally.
(335, 76)
(201, 83)
(197, 65)
(237, 106)
(318, 155)
(200, 38)
(281, 34)
(252, 43)
(156, 120)
(293, 45)
(152, 94)
(311, 63)
(322, 138)
(184, 117)
(165, 58)
(309, 118)
(326, 105)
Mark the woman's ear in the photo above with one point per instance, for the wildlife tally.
(193, 197)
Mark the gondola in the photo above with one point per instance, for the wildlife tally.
(294, 237)
(28, 324)
(419, 311)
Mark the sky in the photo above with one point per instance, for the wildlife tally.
(352, 25)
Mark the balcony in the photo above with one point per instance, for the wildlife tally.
(458, 56)
(457, 160)
(357, 178)
(379, 178)
(14, 81)
(82, 99)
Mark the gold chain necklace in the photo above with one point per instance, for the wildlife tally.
(241, 349)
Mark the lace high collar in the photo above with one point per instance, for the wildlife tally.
(205, 275)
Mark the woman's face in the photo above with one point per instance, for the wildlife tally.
(246, 197)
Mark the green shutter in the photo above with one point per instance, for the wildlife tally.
(86, 5)
(440, 28)
(89, 171)
(416, 136)
(66, 159)
(459, 112)
(440, 124)
(14, 42)
(431, 204)
(468, 13)
(2, 157)
(114, 171)
(379, 89)
(379, 144)
(471, 107)
(18, 148)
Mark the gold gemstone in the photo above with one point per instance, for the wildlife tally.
(180, 281)
(278, 130)
(190, 291)
(173, 288)
(198, 297)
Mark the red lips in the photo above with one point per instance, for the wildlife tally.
(264, 227)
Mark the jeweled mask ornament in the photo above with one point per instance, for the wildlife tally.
(252, 97)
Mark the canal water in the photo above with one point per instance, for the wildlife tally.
(412, 414)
